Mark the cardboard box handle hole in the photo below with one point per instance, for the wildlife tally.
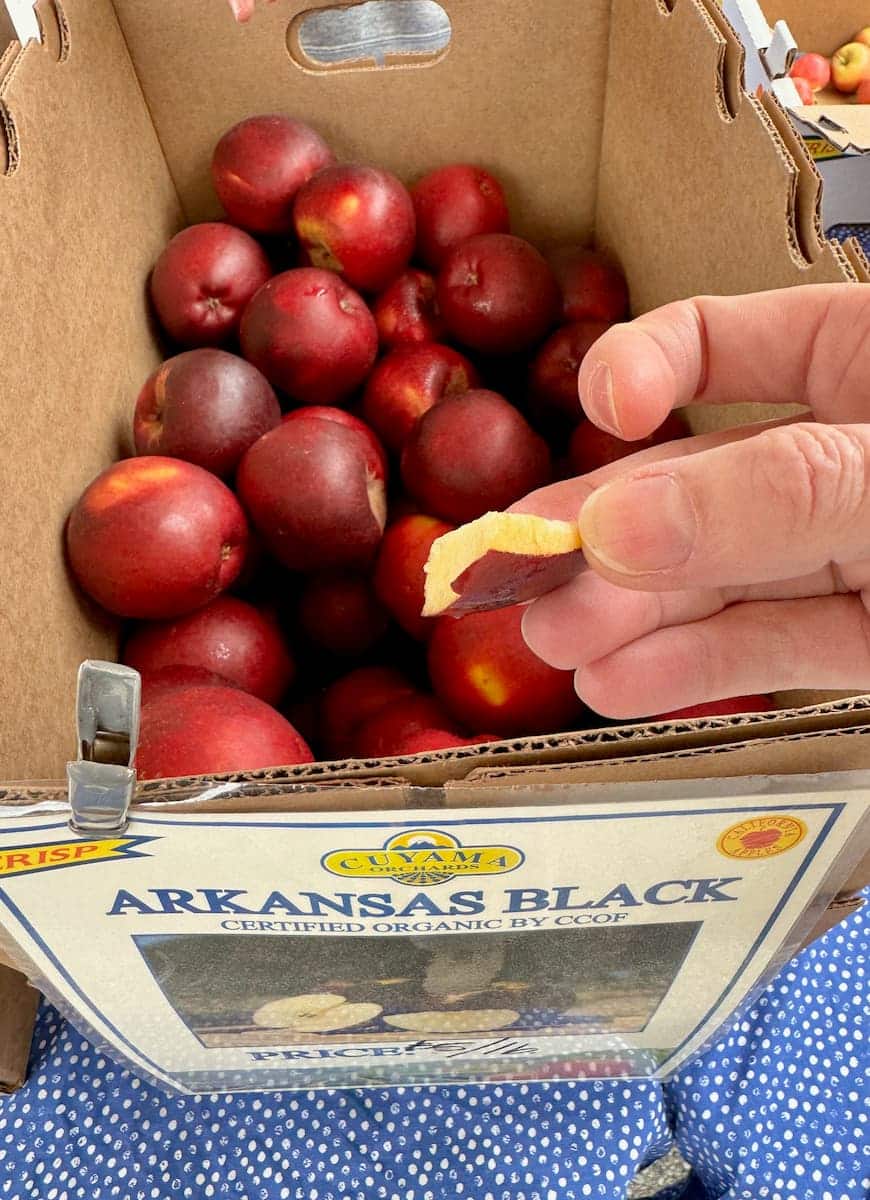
(373, 35)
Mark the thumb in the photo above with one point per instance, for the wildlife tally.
(786, 502)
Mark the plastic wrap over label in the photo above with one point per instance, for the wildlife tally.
(611, 936)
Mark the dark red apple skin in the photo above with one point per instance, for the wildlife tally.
(407, 314)
(398, 578)
(315, 412)
(260, 164)
(554, 369)
(156, 537)
(311, 494)
(390, 726)
(409, 381)
(228, 637)
(311, 335)
(203, 280)
(430, 740)
(473, 454)
(733, 706)
(591, 448)
(352, 700)
(340, 612)
(169, 678)
(208, 730)
(497, 293)
(454, 203)
(487, 677)
(205, 406)
(500, 579)
(593, 287)
(358, 221)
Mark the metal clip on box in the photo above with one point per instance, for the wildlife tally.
(102, 780)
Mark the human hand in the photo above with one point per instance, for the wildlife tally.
(730, 563)
(243, 10)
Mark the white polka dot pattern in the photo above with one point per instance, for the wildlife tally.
(777, 1110)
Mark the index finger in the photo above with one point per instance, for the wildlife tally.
(803, 346)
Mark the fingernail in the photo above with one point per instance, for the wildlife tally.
(640, 526)
(598, 400)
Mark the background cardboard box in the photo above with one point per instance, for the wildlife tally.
(106, 132)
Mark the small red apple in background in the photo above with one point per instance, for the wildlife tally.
(314, 494)
(454, 203)
(407, 312)
(849, 65)
(592, 448)
(317, 412)
(260, 164)
(169, 678)
(209, 730)
(409, 381)
(733, 706)
(340, 612)
(395, 722)
(862, 94)
(352, 699)
(592, 286)
(228, 637)
(471, 454)
(203, 280)
(358, 221)
(487, 677)
(398, 579)
(311, 335)
(553, 374)
(437, 739)
(205, 406)
(804, 89)
(156, 537)
(814, 68)
(497, 293)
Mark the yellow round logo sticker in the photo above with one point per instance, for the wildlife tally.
(761, 837)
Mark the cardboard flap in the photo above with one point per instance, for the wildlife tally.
(85, 206)
(519, 90)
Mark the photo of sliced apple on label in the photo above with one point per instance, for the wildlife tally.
(499, 560)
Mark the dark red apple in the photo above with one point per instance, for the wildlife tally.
(340, 612)
(497, 293)
(733, 706)
(472, 454)
(311, 336)
(203, 280)
(316, 412)
(591, 447)
(228, 637)
(593, 287)
(393, 724)
(156, 537)
(553, 374)
(398, 579)
(407, 312)
(454, 203)
(205, 406)
(260, 164)
(358, 221)
(208, 730)
(313, 493)
(487, 677)
(407, 382)
(428, 740)
(169, 678)
(351, 700)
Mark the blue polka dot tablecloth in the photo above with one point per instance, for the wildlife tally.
(777, 1110)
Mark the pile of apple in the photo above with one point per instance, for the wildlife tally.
(848, 69)
(327, 411)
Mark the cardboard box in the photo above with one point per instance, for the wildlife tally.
(105, 138)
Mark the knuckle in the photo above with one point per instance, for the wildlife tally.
(817, 472)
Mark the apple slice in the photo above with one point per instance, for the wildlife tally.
(499, 560)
